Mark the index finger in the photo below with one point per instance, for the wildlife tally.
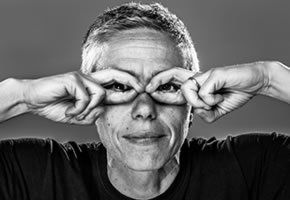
(174, 74)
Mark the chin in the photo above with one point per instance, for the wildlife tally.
(145, 162)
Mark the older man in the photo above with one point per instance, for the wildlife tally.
(140, 84)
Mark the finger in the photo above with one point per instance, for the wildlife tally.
(77, 90)
(108, 75)
(93, 115)
(174, 74)
(90, 118)
(97, 94)
(209, 88)
(169, 98)
(56, 110)
(190, 92)
(208, 115)
(119, 97)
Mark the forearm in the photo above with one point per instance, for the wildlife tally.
(278, 82)
(11, 99)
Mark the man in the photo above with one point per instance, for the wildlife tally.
(140, 84)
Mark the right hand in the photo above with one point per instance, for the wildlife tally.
(74, 97)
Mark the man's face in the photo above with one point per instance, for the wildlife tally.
(142, 134)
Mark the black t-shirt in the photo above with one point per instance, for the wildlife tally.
(249, 166)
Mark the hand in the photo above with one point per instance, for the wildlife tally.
(217, 91)
(77, 98)
(227, 88)
(165, 87)
(168, 87)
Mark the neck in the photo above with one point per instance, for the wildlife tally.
(142, 184)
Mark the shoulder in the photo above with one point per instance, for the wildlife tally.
(29, 149)
(248, 150)
(243, 142)
(258, 156)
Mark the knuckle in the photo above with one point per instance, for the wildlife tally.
(85, 98)
(184, 86)
(102, 93)
(202, 93)
(73, 76)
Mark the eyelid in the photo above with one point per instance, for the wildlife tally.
(111, 83)
(173, 83)
(176, 87)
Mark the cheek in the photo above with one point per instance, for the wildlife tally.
(111, 121)
(175, 118)
(175, 115)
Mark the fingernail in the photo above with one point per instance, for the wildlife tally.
(149, 87)
(203, 115)
(80, 117)
(99, 113)
(141, 88)
(207, 107)
(68, 114)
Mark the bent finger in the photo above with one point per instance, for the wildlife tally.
(169, 98)
(190, 92)
(90, 118)
(103, 77)
(209, 89)
(119, 97)
(97, 94)
(176, 74)
(77, 90)
(211, 115)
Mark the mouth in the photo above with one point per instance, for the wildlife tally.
(144, 139)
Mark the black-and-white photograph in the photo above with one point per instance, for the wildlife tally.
(159, 100)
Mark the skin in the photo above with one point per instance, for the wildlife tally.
(148, 103)
(142, 171)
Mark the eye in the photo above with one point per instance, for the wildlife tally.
(168, 87)
(117, 87)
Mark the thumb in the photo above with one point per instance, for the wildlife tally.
(208, 115)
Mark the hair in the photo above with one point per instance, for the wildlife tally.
(133, 16)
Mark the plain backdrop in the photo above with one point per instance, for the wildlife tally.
(41, 38)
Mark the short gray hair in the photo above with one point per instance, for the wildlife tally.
(131, 16)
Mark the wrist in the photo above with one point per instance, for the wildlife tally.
(19, 87)
(278, 81)
(268, 69)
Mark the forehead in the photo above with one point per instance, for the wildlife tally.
(141, 52)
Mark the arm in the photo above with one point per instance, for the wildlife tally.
(59, 98)
(228, 88)
(11, 99)
(218, 91)
(279, 81)
(69, 98)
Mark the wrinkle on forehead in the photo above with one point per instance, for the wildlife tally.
(143, 52)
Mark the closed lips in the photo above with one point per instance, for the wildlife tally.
(143, 135)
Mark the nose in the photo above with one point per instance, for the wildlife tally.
(143, 107)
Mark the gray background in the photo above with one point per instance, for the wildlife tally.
(40, 38)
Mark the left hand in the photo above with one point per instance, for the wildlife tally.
(221, 89)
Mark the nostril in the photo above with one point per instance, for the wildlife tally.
(143, 107)
(142, 116)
